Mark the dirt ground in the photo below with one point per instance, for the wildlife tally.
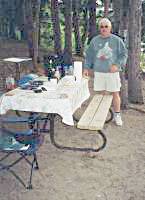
(116, 173)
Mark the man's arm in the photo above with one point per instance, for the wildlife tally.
(88, 64)
(122, 55)
(121, 58)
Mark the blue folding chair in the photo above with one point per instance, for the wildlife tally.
(25, 143)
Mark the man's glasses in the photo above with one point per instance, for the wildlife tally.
(104, 26)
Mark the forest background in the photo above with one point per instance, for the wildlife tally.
(65, 28)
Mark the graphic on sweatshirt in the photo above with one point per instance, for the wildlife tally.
(106, 51)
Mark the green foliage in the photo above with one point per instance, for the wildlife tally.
(142, 60)
(10, 10)
(46, 32)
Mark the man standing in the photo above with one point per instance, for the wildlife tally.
(107, 54)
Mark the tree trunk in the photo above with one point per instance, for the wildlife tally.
(123, 29)
(32, 9)
(22, 28)
(116, 16)
(123, 92)
(56, 26)
(143, 21)
(134, 82)
(12, 19)
(85, 26)
(124, 20)
(20, 19)
(67, 57)
(106, 7)
(28, 24)
(36, 11)
(76, 24)
(92, 19)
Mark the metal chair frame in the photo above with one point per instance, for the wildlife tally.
(23, 154)
(8, 167)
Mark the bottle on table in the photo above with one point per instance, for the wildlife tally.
(57, 73)
(68, 70)
(49, 70)
(71, 70)
(10, 82)
(61, 71)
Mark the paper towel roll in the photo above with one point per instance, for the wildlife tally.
(78, 70)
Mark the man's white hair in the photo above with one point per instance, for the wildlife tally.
(105, 21)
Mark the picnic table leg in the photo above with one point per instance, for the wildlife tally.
(52, 139)
(111, 116)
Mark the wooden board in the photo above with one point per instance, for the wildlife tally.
(96, 113)
(99, 119)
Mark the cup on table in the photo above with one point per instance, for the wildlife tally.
(68, 70)
(53, 81)
(78, 70)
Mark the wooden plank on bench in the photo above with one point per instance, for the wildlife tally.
(89, 112)
(95, 115)
(99, 119)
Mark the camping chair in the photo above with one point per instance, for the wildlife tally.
(25, 143)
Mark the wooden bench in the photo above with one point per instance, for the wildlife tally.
(95, 117)
(96, 113)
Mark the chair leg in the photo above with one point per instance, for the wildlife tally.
(34, 163)
(29, 162)
(6, 156)
(17, 177)
(8, 168)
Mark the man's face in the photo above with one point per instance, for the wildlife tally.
(105, 29)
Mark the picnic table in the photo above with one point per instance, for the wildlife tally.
(61, 99)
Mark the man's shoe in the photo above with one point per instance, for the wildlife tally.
(117, 119)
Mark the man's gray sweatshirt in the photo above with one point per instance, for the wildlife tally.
(111, 47)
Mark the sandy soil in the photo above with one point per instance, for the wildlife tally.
(116, 173)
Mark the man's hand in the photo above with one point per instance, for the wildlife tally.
(86, 73)
(103, 57)
(114, 68)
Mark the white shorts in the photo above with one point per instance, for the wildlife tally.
(107, 81)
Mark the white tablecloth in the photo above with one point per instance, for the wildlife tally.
(63, 99)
